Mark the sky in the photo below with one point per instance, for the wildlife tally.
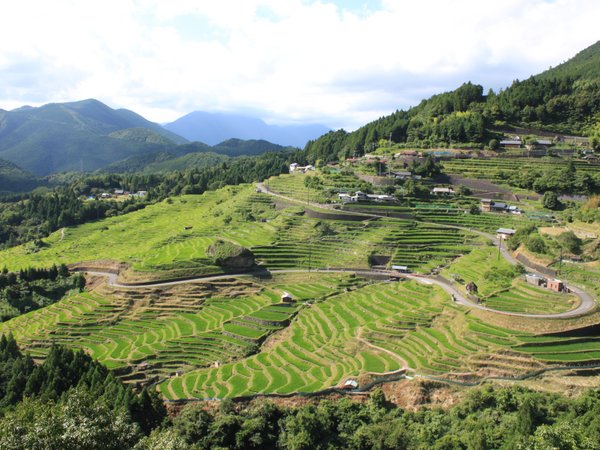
(333, 62)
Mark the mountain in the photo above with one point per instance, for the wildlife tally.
(78, 135)
(193, 155)
(213, 128)
(565, 99)
(15, 179)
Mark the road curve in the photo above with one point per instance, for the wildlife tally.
(586, 305)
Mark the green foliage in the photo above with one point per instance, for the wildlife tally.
(62, 371)
(570, 242)
(536, 244)
(223, 252)
(34, 288)
(550, 200)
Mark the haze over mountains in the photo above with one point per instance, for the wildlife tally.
(213, 128)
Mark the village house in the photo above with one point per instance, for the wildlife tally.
(510, 143)
(295, 168)
(555, 285)
(350, 384)
(443, 191)
(488, 205)
(505, 233)
(119, 191)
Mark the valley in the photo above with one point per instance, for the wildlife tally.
(224, 332)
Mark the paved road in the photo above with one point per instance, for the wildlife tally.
(587, 304)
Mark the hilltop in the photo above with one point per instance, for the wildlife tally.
(83, 135)
(565, 99)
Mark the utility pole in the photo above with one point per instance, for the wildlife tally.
(499, 246)
(309, 254)
(560, 262)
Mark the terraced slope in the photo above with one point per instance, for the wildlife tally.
(372, 330)
(157, 332)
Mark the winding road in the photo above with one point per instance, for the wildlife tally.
(586, 305)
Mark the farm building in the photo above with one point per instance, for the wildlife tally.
(534, 279)
(350, 384)
(505, 233)
(295, 168)
(346, 198)
(511, 143)
(401, 269)
(556, 285)
(286, 297)
(442, 191)
(486, 204)
(471, 288)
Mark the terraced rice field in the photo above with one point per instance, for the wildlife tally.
(170, 235)
(493, 169)
(526, 298)
(375, 329)
(153, 332)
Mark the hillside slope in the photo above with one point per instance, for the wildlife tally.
(15, 179)
(565, 99)
(74, 136)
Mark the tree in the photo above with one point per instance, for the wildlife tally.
(570, 242)
(550, 200)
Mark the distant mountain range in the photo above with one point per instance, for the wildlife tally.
(213, 128)
(193, 155)
(82, 135)
(88, 135)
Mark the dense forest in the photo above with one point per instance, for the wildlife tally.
(34, 288)
(565, 99)
(70, 402)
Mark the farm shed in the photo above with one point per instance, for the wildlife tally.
(505, 233)
(534, 279)
(471, 288)
(286, 297)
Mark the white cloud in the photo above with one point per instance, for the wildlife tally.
(290, 59)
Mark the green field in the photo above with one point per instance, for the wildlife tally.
(232, 336)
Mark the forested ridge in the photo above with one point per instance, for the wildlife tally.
(565, 99)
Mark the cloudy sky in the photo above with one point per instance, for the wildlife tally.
(340, 63)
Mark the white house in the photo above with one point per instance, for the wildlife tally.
(442, 191)
(505, 233)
